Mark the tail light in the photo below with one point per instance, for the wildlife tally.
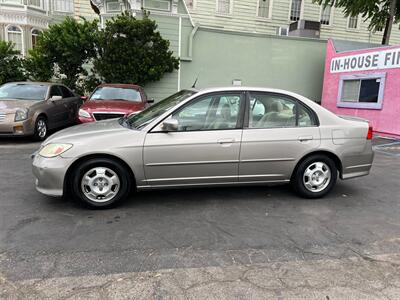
(370, 132)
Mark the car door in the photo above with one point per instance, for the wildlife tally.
(205, 148)
(279, 130)
(55, 109)
(71, 104)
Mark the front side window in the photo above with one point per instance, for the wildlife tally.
(210, 112)
(64, 5)
(295, 10)
(264, 8)
(17, 91)
(362, 92)
(146, 116)
(55, 91)
(157, 4)
(14, 35)
(224, 6)
(326, 15)
(276, 111)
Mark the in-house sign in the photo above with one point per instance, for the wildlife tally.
(367, 61)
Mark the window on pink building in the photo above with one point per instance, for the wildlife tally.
(361, 91)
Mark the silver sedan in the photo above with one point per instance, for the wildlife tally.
(212, 137)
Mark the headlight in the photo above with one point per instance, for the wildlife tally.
(53, 150)
(83, 113)
(21, 114)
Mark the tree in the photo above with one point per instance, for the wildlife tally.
(380, 13)
(10, 64)
(133, 51)
(63, 50)
(38, 66)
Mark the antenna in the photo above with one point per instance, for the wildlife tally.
(194, 83)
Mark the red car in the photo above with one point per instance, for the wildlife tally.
(110, 101)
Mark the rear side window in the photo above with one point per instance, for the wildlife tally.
(66, 93)
(269, 110)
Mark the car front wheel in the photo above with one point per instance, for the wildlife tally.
(100, 182)
(315, 176)
(41, 129)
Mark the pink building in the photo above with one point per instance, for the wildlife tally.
(364, 82)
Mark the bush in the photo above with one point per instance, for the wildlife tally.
(132, 51)
(11, 68)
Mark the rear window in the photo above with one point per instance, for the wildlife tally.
(116, 93)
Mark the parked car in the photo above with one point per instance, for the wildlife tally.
(33, 108)
(110, 101)
(213, 137)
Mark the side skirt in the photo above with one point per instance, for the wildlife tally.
(254, 183)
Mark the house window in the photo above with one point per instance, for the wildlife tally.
(14, 35)
(35, 34)
(113, 6)
(63, 5)
(223, 6)
(157, 4)
(295, 10)
(35, 3)
(353, 22)
(361, 91)
(264, 8)
(326, 15)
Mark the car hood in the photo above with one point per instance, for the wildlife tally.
(112, 106)
(87, 131)
(10, 106)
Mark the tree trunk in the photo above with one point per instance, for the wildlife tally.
(389, 22)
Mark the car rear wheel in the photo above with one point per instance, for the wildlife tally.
(41, 129)
(315, 176)
(100, 182)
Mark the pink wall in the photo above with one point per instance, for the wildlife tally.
(385, 121)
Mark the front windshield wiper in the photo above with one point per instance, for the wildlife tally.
(124, 122)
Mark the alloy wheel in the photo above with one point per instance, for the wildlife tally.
(100, 184)
(317, 177)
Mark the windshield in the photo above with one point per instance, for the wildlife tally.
(116, 93)
(17, 91)
(148, 115)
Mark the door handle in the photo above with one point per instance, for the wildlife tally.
(226, 141)
(305, 138)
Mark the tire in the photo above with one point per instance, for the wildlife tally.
(100, 183)
(41, 129)
(314, 177)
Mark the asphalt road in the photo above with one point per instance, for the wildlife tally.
(251, 242)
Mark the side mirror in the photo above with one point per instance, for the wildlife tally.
(150, 101)
(56, 98)
(84, 98)
(170, 125)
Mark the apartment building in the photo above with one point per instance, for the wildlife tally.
(275, 16)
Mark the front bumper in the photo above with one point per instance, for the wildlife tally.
(49, 174)
(8, 127)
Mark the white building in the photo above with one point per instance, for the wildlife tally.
(22, 20)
